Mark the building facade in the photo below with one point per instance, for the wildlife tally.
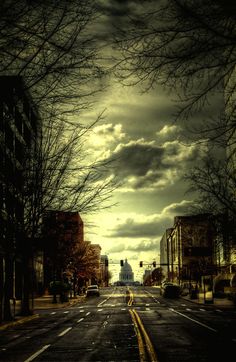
(104, 270)
(20, 133)
(189, 248)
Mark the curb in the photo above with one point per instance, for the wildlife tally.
(19, 321)
(195, 301)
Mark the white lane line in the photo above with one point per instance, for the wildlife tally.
(81, 311)
(202, 310)
(123, 308)
(66, 312)
(53, 313)
(99, 310)
(36, 354)
(88, 313)
(188, 309)
(104, 324)
(147, 305)
(80, 320)
(99, 305)
(147, 308)
(64, 332)
(218, 310)
(104, 301)
(193, 320)
(183, 305)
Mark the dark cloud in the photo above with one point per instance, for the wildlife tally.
(137, 158)
(182, 208)
(142, 246)
(143, 164)
(135, 229)
(115, 8)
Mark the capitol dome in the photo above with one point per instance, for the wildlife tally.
(126, 274)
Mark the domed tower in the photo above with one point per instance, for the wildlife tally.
(126, 274)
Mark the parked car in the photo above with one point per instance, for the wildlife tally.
(163, 285)
(92, 290)
(171, 290)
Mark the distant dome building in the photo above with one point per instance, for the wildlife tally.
(126, 275)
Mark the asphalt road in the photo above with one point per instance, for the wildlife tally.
(111, 328)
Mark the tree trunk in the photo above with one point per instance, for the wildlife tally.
(26, 285)
(7, 288)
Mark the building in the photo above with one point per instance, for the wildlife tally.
(95, 250)
(189, 247)
(165, 255)
(104, 270)
(20, 135)
(63, 233)
(126, 275)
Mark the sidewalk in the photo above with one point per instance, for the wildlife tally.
(219, 302)
(41, 303)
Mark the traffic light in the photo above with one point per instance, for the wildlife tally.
(122, 263)
(154, 264)
(140, 264)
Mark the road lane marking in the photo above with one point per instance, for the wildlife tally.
(100, 310)
(104, 324)
(87, 313)
(53, 313)
(36, 354)
(131, 298)
(64, 332)
(148, 309)
(66, 312)
(202, 310)
(218, 310)
(188, 309)
(101, 303)
(81, 311)
(193, 320)
(80, 320)
(148, 343)
(141, 348)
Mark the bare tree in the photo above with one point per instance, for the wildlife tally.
(187, 46)
(49, 44)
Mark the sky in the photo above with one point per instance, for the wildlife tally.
(138, 130)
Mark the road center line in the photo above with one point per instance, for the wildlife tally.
(193, 320)
(36, 354)
(87, 313)
(64, 332)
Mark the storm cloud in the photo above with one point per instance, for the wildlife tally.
(149, 227)
(143, 164)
